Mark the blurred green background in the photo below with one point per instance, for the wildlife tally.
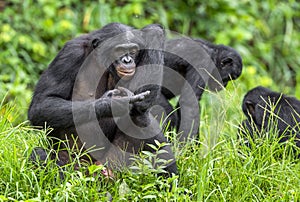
(266, 33)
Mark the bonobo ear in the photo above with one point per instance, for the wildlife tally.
(95, 43)
(250, 107)
(226, 62)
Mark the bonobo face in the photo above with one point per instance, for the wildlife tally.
(124, 49)
(258, 102)
(119, 53)
(125, 60)
(229, 63)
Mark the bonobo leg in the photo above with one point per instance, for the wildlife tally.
(134, 134)
(189, 110)
(63, 157)
(133, 139)
(40, 157)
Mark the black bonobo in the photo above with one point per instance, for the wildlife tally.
(190, 66)
(268, 110)
(97, 93)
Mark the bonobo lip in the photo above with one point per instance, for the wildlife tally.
(125, 74)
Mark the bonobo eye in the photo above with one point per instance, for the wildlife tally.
(226, 62)
(95, 43)
(128, 48)
(133, 51)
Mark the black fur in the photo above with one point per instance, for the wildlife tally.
(268, 110)
(70, 98)
(223, 64)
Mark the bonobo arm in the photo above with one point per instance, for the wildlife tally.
(150, 67)
(52, 103)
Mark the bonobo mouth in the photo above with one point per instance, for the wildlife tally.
(125, 74)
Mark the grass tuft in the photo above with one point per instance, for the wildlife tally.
(216, 167)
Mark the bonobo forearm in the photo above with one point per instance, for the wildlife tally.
(60, 113)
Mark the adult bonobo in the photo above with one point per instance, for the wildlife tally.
(190, 66)
(268, 110)
(98, 90)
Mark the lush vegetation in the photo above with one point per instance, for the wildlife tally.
(266, 33)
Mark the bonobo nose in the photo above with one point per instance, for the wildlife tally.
(127, 60)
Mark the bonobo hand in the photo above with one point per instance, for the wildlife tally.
(119, 100)
(133, 98)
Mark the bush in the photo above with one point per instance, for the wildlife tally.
(265, 33)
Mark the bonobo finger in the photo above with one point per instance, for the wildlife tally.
(125, 91)
(139, 97)
(113, 92)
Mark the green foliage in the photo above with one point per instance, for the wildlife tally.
(29, 38)
(215, 168)
(265, 33)
(223, 169)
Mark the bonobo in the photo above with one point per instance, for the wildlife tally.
(267, 110)
(97, 93)
(190, 66)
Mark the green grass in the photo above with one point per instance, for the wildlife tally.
(216, 168)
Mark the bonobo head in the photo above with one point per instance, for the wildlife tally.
(257, 106)
(264, 106)
(122, 49)
(258, 102)
(227, 60)
(229, 63)
(269, 110)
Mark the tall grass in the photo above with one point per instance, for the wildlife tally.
(216, 167)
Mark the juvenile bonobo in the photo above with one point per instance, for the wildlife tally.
(268, 110)
(190, 66)
(97, 93)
